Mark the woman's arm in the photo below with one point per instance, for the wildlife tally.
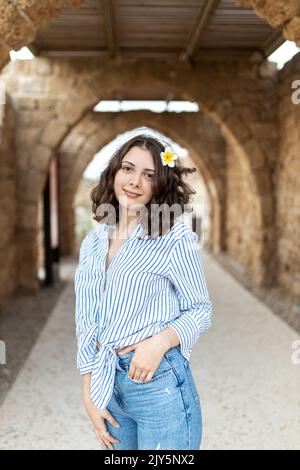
(169, 338)
(187, 275)
(86, 307)
(98, 416)
(86, 384)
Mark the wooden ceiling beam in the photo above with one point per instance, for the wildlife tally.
(207, 8)
(108, 10)
(272, 43)
(104, 53)
(34, 48)
(222, 54)
(199, 55)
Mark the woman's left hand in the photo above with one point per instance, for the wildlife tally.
(146, 359)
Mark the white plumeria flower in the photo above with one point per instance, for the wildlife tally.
(168, 157)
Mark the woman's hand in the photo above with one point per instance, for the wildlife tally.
(147, 357)
(97, 417)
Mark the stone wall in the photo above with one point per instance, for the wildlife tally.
(21, 20)
(244, 223)
(279, 13)
(53, 98)
(288, 178)
(8, 209)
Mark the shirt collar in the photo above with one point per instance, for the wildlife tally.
(136, 232)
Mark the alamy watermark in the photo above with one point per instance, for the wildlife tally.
(295, 357)
(2, 352)
(160, 216)
(296, 94)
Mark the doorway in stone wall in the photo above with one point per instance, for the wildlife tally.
(48, 228)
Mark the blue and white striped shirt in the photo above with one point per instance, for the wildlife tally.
(150, 284)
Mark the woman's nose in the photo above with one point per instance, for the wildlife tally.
(135, 180)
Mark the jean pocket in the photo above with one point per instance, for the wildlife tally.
(163, 370)
(191, 383)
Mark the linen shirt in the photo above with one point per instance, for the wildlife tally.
(150, 284)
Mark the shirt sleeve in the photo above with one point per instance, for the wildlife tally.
(186, 274)
(86, 308)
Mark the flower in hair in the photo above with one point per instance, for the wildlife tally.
(168, 157)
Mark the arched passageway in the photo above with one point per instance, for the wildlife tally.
(52, 113)
(97, 129)
(245, 144)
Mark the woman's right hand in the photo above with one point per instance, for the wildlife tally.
(97, 417)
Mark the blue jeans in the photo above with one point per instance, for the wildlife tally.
(163, 413)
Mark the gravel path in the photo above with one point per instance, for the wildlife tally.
(247, 381)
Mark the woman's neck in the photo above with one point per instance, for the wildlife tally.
(127, 224)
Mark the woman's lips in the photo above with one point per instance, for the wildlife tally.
(130, 194)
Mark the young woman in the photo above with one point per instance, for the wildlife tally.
(141, 304)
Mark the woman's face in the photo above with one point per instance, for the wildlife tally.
(136, 175)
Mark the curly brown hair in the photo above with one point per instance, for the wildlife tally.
(168, 185)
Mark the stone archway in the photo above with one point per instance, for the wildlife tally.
(96, 130)
(62, 93)
(191, 131)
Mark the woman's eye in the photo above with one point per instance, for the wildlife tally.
(125, 168)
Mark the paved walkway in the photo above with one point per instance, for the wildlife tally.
(248, 384)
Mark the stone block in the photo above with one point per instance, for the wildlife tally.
(53, 133)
